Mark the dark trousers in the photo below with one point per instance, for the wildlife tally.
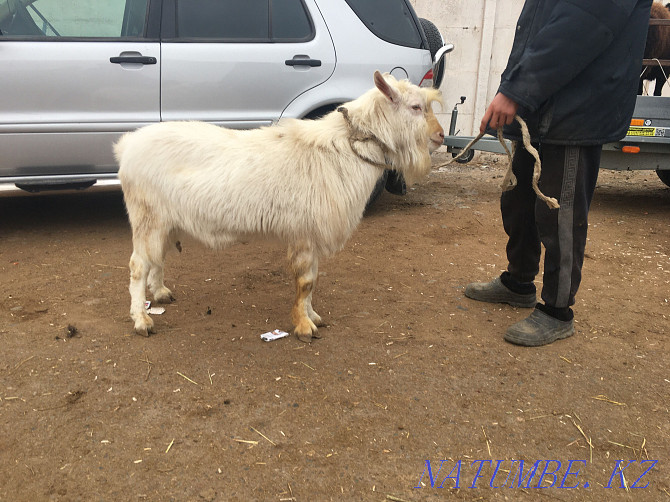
(569, 173)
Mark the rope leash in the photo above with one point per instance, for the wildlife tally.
(644, 70)
(357, 137)
(509, 182)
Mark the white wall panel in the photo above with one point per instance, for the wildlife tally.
(482, 32)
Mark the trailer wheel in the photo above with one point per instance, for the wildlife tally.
(466, 158)
(664, 175)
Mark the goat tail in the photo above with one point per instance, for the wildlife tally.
(119, 148)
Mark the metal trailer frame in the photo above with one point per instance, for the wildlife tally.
(646, 146)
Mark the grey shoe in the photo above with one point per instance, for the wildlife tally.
(496, 292)
(539, 329)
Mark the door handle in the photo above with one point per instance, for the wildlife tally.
(133, 59)
(303, 61)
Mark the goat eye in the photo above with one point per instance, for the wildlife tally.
(416, 108)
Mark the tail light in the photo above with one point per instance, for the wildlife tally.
(427, 80)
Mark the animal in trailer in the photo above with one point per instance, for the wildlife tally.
(304, 182)
(657, 47)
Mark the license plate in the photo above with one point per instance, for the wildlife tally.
(647, 131)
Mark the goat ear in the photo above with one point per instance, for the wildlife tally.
(385, 88)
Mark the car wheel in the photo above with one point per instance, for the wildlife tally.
(377, 190)
(321, 112)
(381, 183)
(435, 42)
(664, 175)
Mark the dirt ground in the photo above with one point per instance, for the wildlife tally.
(411, 394)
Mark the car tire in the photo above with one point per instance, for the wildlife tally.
(435, 42)
(381, 183)
(377, 191)
(664, 176)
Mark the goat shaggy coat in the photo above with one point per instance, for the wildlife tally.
(303, 182)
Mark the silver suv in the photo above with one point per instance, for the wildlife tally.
(79, 74)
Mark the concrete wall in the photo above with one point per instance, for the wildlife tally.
(482, 32)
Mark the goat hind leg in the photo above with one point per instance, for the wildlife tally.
(160, 293)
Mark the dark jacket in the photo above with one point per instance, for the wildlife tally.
(574, 68)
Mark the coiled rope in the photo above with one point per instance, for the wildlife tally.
(509, 182)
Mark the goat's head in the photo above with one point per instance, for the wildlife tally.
(409, 127)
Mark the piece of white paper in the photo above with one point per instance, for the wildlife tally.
(273, 335)
(153, 310)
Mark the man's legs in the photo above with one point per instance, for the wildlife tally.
(517, 207)
(515, 286)
(569, 173)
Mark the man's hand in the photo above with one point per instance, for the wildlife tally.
(500, 112)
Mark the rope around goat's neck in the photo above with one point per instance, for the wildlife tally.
(357, 137)
(509, 181)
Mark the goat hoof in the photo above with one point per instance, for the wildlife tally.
(145, 329)
(304, 337)
(316, 319)
(164, 296)
(308, 337)
(305, 330)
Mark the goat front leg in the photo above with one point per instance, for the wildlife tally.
(304, 264)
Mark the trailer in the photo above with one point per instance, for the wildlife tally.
(646, 145)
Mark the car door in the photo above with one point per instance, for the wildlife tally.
(76, 75)
(240, 63)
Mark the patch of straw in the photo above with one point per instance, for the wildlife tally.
(18, 365)
(587, 439)
(488, 443)
(395, 499)
(247, 441)
(187, 378)
(263, 436)
(600, 397)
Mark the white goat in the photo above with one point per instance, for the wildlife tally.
(304, 182)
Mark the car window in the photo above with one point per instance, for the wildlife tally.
(80, 19)
(290, 20)
(243, 20)
(390, 20)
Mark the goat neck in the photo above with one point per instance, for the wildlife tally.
(356, 136)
